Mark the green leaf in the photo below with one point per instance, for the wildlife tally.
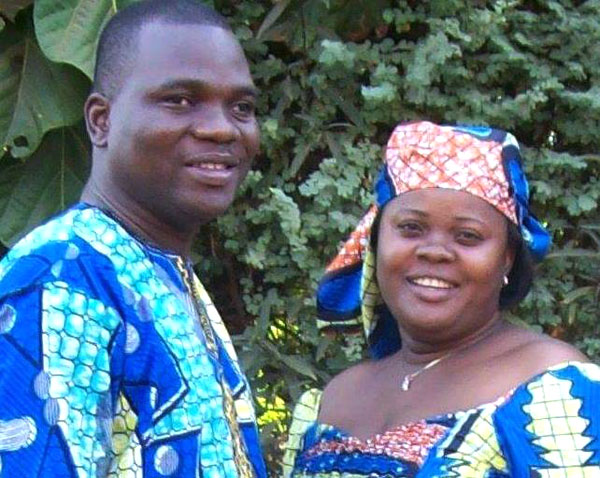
(272, 17)
(586, 203)
(44, 184)
(579, 292)
(35, 94)
(68, 29)
(10, 8)
(295, 362)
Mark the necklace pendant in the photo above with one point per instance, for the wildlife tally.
(406, 383)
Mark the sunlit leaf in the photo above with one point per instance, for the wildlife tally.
(68, 29)
(36, 95)
(47, 182)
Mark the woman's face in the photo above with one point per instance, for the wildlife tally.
(441, 258)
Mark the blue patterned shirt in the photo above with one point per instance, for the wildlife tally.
(105, 367)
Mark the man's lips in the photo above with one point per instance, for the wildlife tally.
(213, 161)
(214, 169)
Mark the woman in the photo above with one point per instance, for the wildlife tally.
(453, 390)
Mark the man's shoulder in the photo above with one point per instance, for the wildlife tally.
(52, 248)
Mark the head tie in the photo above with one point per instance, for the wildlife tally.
(484, 162)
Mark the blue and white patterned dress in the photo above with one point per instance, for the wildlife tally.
(548, 427)
(114, 362)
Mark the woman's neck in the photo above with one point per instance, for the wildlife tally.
(415, 351)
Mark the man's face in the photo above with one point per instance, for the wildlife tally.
(182, 130)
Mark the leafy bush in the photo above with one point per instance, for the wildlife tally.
(336, 76)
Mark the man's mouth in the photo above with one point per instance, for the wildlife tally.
(217, 166)
(431, 282)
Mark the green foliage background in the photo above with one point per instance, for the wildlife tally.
(336, 76)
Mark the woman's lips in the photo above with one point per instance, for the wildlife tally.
(432, 282)
(432, 289)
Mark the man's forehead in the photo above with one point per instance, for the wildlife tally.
(189, 42)
(174, 54)
(156, 31)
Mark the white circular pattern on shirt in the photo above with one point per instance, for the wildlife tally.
(16, 434)
(8, 317)
(51, 411)
(41, 385)
(144, 310)
(133, 339)
(166, 460)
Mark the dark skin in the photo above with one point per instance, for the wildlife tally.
(172, 146)
(440, 272)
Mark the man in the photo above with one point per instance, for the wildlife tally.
(114, 362)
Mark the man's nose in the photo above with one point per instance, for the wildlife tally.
(214, 123)
(435, 252)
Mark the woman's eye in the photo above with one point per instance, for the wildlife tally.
(409, 228)
(469, 237)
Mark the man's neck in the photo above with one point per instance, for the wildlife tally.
(140, 223)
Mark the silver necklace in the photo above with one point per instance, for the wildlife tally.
(408, 378)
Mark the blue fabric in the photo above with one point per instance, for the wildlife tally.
(338, 296)
(548, 426)
(104, 369)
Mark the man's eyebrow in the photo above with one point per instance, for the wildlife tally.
(173, 84)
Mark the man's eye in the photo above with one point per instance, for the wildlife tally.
(178, 100)
(244, 108)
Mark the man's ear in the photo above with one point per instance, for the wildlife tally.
(96, 111)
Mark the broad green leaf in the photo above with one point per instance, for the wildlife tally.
(68, 29)
(10, 8)
(35, 94)
(47, 182)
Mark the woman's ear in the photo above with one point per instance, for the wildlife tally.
(96, 112)
(509, 259)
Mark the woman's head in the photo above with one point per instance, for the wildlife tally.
(440, 261)
(515, 285)
(446, 178)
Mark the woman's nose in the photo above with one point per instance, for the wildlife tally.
(435, 252)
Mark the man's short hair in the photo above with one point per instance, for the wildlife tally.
(118, 41)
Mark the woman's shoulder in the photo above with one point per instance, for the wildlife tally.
(345, 394)
(536, 352)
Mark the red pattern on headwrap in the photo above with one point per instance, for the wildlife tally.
(424, 155)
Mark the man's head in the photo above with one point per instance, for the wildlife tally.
(118, 41)
(171, 116)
